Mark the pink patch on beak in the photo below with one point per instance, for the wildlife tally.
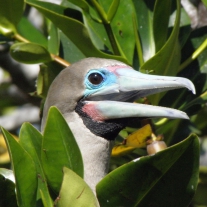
(92, 112)
(113, 68)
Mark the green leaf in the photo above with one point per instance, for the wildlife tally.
(198, 100)
(31, 141)
(196, 72)
(67, 25)
(112, 10)
(47, 74)
(24, 171)
(122, 27)
(28, 31)
(53, 39)
(85, 7)
(160, 30)
(75, 191)
(93, 24)
(29, 53)
(7, 189)
(10, 13)
(185, 26)
(6, 28)
(97, 33)
(142, 181)
(70, 51)
(59, 149)
(167, 59)
(144, 16)
(81, 3)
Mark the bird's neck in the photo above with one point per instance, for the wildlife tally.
(95, 150)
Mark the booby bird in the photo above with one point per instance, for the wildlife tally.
(95, 97)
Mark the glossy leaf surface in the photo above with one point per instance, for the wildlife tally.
(53, 39)
(75, 191)
(113, 9)
(28, 31)
(151, 176)
(80, 38)
(160, 30)
(59, 149)
(97, 33)
(167, 60)
(122, 26)
(144, 14)
(31, 141)
(30, 53)
(70, 51)
(26, 183)
(93, 24)
(10, 13)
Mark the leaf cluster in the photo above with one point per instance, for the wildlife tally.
(48, 170)
(153, 37)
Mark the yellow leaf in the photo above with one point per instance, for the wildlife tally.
(121, 149)
(137, 139)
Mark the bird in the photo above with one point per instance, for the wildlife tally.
(95, 96)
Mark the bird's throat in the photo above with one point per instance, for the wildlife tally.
(107, 129)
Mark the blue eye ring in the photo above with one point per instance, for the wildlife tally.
(95, 79)
(105, 78)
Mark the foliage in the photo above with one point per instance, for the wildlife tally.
(153, 37)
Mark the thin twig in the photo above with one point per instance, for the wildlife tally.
(197, 52)
(20, 38)
(107, 26)
(55, 57)
(60, 60)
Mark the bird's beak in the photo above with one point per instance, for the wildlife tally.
(113, 101)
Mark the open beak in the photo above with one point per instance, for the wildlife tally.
(113, 101)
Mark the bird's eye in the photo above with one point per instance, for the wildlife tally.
(95, 78)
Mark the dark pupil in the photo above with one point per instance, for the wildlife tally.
(95, 78)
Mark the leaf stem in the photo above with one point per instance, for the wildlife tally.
(112, 39)
(60, 60)
(197, 52)
(107, 26)
(100, 11)
(55, 57)
(20, 38)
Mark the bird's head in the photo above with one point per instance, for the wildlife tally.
(101, 92)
